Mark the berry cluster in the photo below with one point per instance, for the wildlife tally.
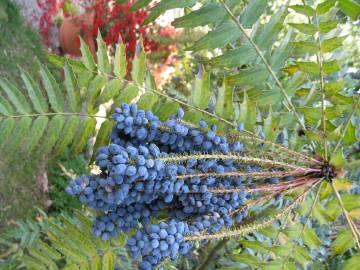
(155, 169)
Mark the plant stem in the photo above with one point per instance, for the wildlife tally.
(249, 228)
(212, 254)
(283, 148)
(320, 60)
(238, 136)
(247, 160)
(278, 187)
(250, 174)
(56, 113)
(353, 228)
(265, 62)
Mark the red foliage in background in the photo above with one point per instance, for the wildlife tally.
(114, 20)
(50, 9)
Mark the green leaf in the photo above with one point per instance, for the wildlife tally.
(270, 127)
(305, 28)
(108, 261)
(309, 67)
(102, 138)
(96, 263)
(278, 264)
(310, 238)
(351, 201)
(331, 44)
(305, 47)
(166, 109)
(67, 134)
(255, 246)
(43, 259)
(53, 91)
(53, 133)
(350, 8)
(128, 94)
(247, 113)
(353, 262)
(207, 14)
(331, 66)
(120, 60)
(139, 4)
(337, 159)
(147, 101)
(224, 101)
(303, 9)
(234, 58)
(47, 250)
(85, 131)
(5, 107)
(32, 263)
(224, 34)
(321, 214)
(73, 95)
(84, 77)
(17, 137)
(282, 53)
(37, 130)
(102, 57)
(94, 90)
(139, 65)
(86, 56)
(37, 98)
(163, 6)
(350, 135)
(251, 76)
(6, 128)
(311, 115)
(281, 251)
(111, 90)
(59, 61)
(344, 240)
(334, 87)
(201, 91)
(325, 6)
(252, 12)
(301, 255)
(268, 35)
(327, 26)
(16, 97)
(80, 237)
(247, 259)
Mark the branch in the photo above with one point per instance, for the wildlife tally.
(320, 60)
(250, 174)
(353, 228)
(235, 157)
(265, 62)
(54, 114)
(252, 227)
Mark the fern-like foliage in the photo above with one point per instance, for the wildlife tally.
(63, 243)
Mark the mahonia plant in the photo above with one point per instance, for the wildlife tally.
(202, 179)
